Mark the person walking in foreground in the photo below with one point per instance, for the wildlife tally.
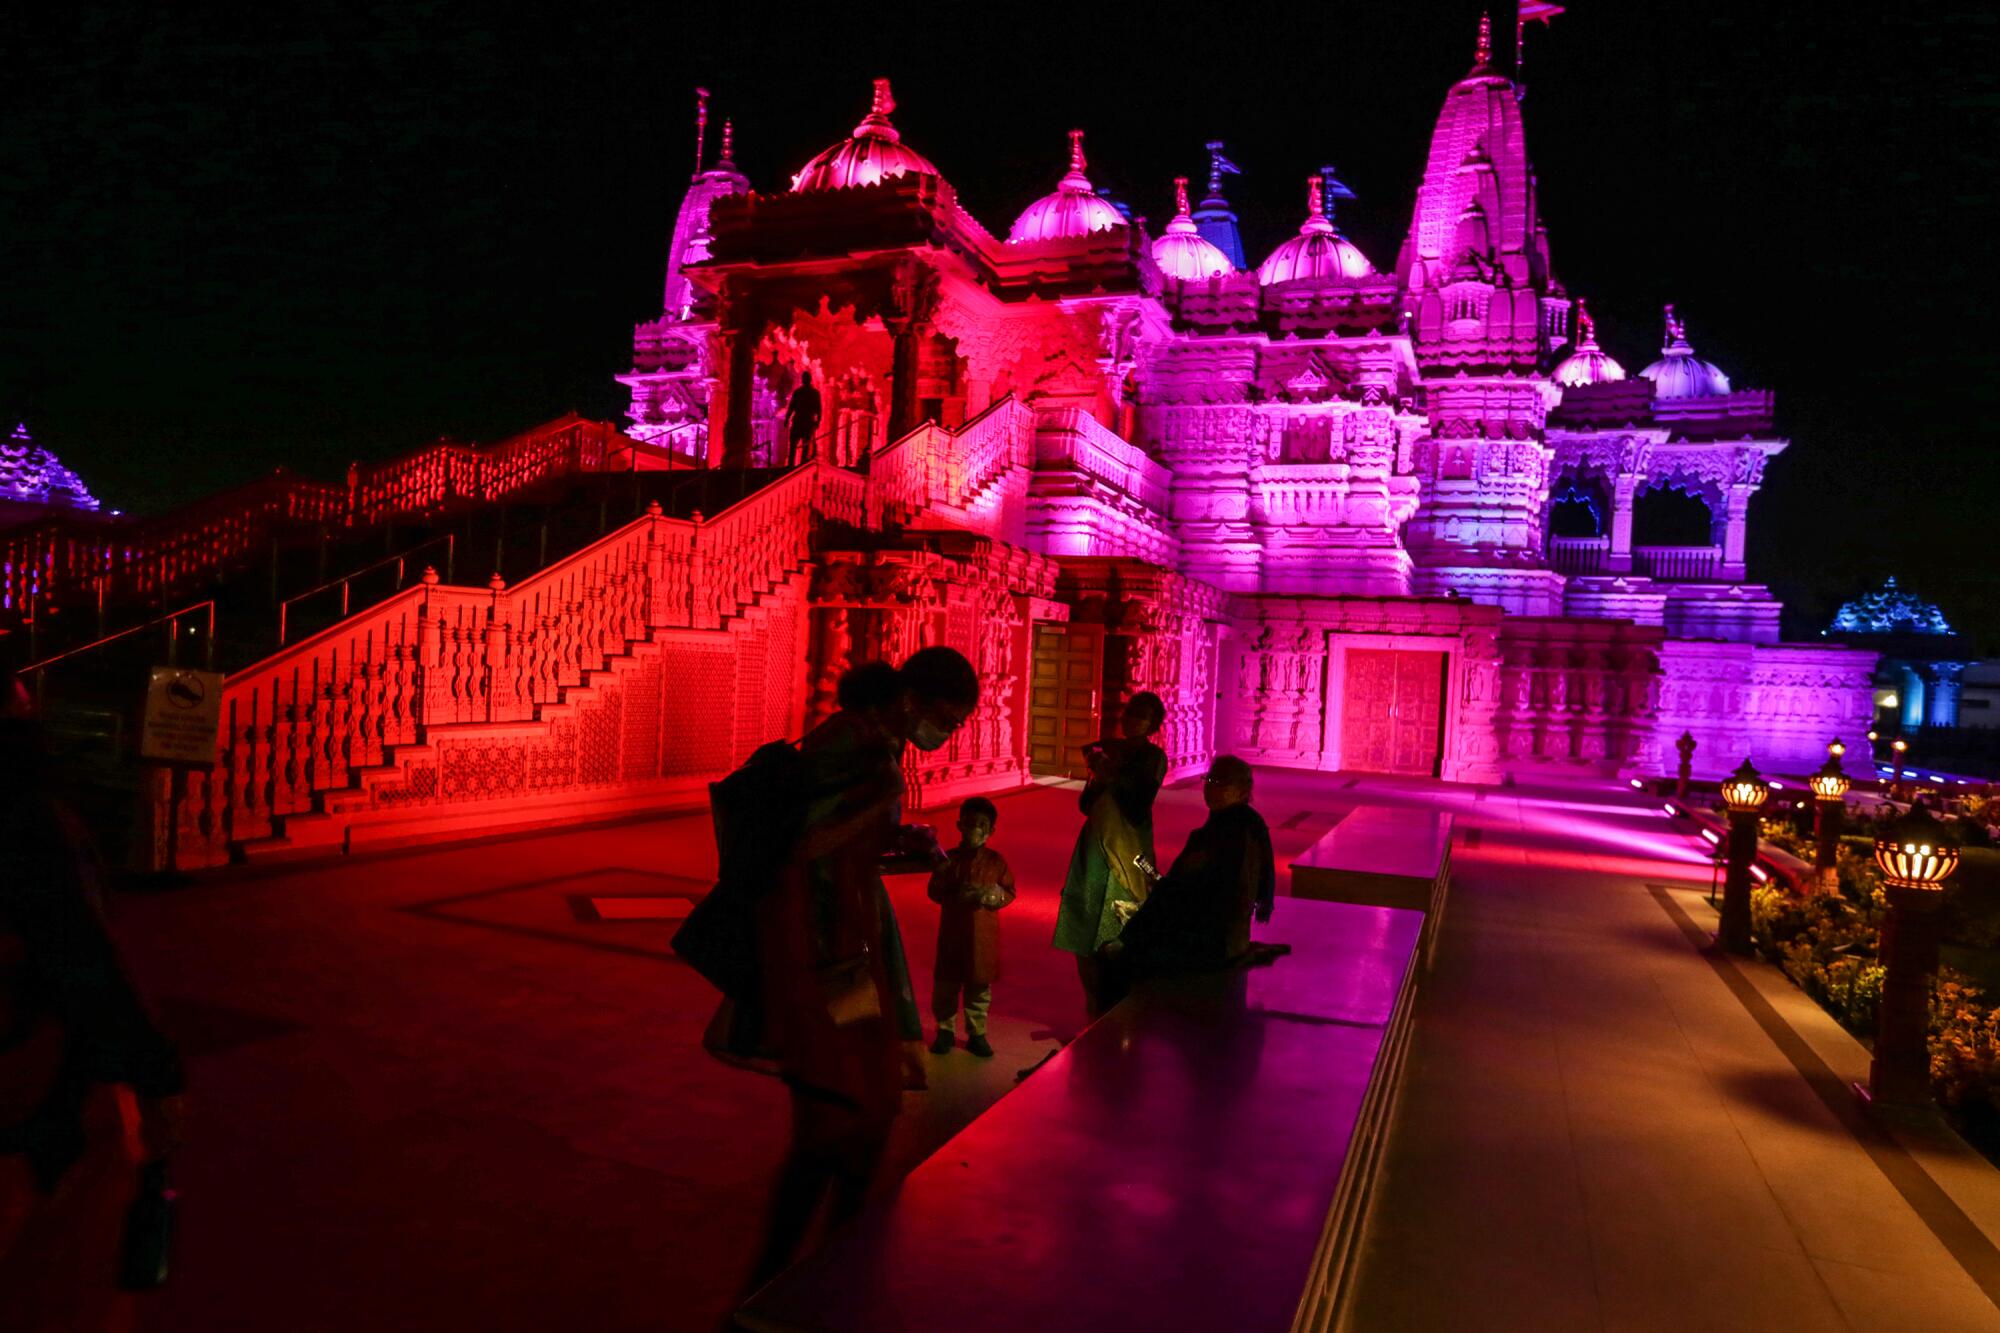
(838, 1013)
(1110, 869)
(969, 889)
(83, 1070)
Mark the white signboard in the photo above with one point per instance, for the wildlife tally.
(183, 714)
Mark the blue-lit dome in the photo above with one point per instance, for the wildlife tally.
(33, 475)
(1889, 610)
(1679, 373)
(1075, 209)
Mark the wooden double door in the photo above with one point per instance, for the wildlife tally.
(1392, 710)
(1065, 690)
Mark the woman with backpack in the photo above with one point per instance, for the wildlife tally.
(839, 1016)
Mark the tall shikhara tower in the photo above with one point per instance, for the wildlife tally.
(1483, 311)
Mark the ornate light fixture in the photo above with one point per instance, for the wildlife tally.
(1829, 788)
(1916, 855)
(1744, 792)
(1916, 852)
(1836, 747)
(1829, 783)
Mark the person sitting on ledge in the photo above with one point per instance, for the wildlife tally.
(1197, 918)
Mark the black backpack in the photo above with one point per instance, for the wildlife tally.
(760, 814)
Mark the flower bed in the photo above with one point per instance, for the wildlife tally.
(1827, 945)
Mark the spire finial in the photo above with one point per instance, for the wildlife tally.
(1482, 56)
(1076, 152)
(875, 125)
(728, 159)
(1180, 197)
(1315, 196)
(1676, 332)
(1218, 167)
(1586, 325)
(700, 125)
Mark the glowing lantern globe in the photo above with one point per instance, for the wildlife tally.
(1745, 792)
(1829, 783)
(1836, 747)
(1916, 852)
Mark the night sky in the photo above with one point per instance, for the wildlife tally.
(298, 234)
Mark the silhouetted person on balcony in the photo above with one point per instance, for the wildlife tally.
(82, 1068)
(802, 419)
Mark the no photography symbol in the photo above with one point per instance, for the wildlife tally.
(186, 692)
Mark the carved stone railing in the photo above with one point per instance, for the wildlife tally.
(83, 559)
(441, 473)
(309, 719)
(1578, 555)
(962, 475)
(77, 560)
(1072, 436)
(1689, 564)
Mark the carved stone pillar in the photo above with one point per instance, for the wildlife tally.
(1941, 687)
(908, 313)
(1620, 559)
(741, 325)
(1735, 526)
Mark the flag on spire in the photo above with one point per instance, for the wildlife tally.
(700, 125)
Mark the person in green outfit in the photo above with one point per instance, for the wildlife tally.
(1112, 866)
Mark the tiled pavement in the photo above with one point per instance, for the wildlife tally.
(432, 1091)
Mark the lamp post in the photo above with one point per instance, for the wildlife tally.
(1686, 746)
(1744, 792)
(1915, 855)
(1829, 787)
(1897, 748)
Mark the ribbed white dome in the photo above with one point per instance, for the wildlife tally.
(1589, 363)
(1318, 251)
(1183, 252)
(1075, 209)
(1679, 373)
(875, 152)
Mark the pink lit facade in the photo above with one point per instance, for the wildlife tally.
(1338, 513)
(1333, 454)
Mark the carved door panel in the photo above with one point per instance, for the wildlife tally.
(1392, 711)
(1063, 694)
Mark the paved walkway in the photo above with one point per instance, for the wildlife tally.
(437, 1091)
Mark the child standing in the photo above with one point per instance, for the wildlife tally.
(970, 889)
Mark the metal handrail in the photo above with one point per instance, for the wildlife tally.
(345, 581)
(171, 619)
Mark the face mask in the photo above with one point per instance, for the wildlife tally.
(929, 736)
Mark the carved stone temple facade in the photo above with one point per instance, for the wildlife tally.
(1409, 518)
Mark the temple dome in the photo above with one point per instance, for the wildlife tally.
(31, 474)
(1182, 251)
(1075, 209)
(1318, 251)
(1589, 363)
(873, 153)
(1889, 610)
(1679, 373)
